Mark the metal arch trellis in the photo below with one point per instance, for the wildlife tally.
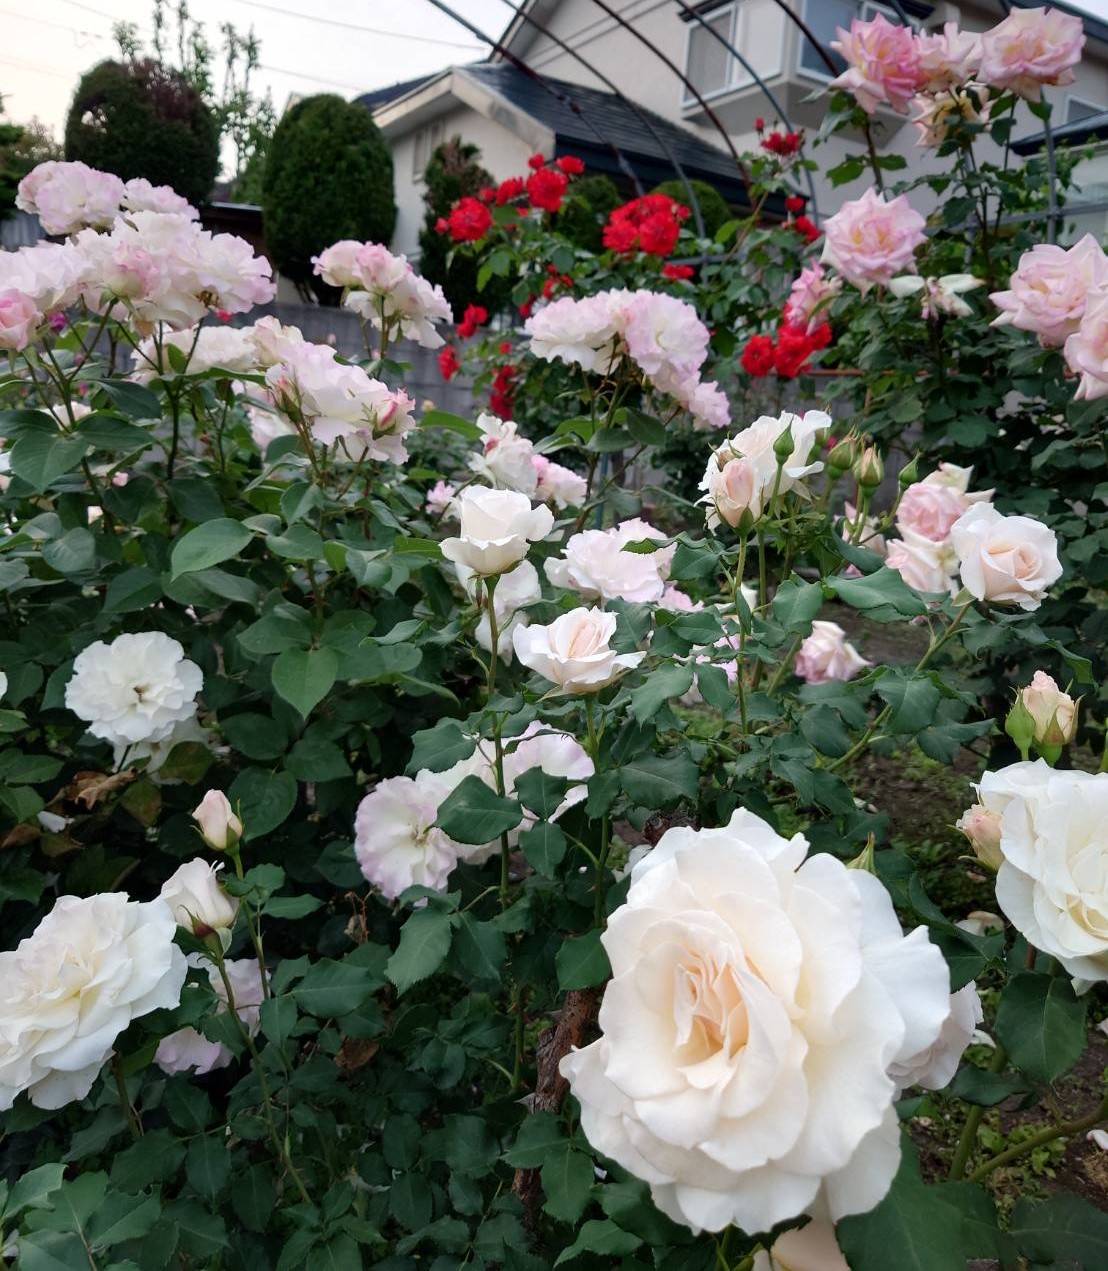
(520, 11)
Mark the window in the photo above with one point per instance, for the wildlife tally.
(754, 27)
(823, 18)
(1080, 108)
(707, 61)
(426, 139)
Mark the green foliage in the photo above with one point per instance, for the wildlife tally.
(328, 176)
(714, 210)
(142, 119)
(582, 220)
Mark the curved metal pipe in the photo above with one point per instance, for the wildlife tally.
(688, 84)
(539, 79)
(769, 93)
(644, 118)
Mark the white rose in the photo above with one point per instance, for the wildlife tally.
(757, 1002)
(88, 969)
(196, 899)
(188, 1050)
(810, 1248)
(934, 1067)
(732, 488)
(496, 527)
(156, 751)
(1054, 712)
(514, 591)
(594, 564)
(1008, 560)
(557, 484)
(218, 823)
(395, 838)
(574, 651)
(1051, 884)
(134, 689)
(506, 459)
(957, 478)
(925, 565)
(3, 683)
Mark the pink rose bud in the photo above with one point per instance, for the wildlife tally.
(1054, 713)
(982, 828)
(827, 655)
(219, 826)
(198, 902)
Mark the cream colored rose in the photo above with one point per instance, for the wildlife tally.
(218, 823)
(828, 655)
(759, 997)
(1007, 560)
(1054, 712)
(810, 1248)
(933, 1068)
(982, 828)
(88, 969)
(197, 901)
(594, 564)
(1052, 884)
(496, 528)
(574, 651)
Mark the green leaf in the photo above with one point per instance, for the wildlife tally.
(263, 799)
(657, 780)
(135, 589)
(331, 988)
(133, 400)
(659, 687)
(73, 553)
(540, 1135)
(983, 1088)
(208, 545)
(208, 1165)
(796, 604)
(913, 697)
(540, 792)
(918, 1227)
(603, 1237)
(824, 728)
(156, 1157)
(474, 813)
(544, 846)
(31, 1190)
(255, 736)
(480, 947)
(278, 1018)
(567, 1179)
(52, 1251)
(444, 419)
(1059, 1231)
(424, 944)
(883, 595)
(41, 457)
(440, 747)
(581, 962)
(202, 1233)
(122, 1217)
(304, 677)
(254, 1196)
(1041, 1023)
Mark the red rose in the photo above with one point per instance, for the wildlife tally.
(794, 203)
(526, 307)
(571, 165)
(549, 288)
(546, 188)
(505, 346)
(679, 273)
(449, 366)
(502, 392)
(620, 236)
(658, 235)
(470, 220)
(508, 190)
(475, 316)
(652, 224)
(486, 193)
(757, 357)
(804, 226)
(760, 124)
(794, 348)
(442, 225)
(821, 337)
(536, 161)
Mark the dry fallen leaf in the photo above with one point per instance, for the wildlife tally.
(89, 788)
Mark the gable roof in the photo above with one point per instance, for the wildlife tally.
(382, 96)
(589, 122)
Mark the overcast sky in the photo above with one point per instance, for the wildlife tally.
(346, 46)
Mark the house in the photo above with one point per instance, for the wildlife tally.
(1090, 174)
(652, 88)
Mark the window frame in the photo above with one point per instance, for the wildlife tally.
(1095, 108)
(731, 9)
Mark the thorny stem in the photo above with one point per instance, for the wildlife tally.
(1061, 1130)
(968, 1137)
(494, 658)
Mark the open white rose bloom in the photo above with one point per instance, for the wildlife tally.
(759, 997)
(71, 987)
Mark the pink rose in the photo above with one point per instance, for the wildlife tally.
(439, 498)
(19, 317)
(1006, 560)
(827, 655)
(924, 565)
(1030, 48)
(1086, 350)
(884, 64)
(935, 114)
(812, 292)
(868, 240)
(1054, 712)
(69, 196)
(1051, 288)
(947, 58)
(982, 828)
(930, 510)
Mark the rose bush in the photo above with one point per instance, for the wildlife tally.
(435, 841)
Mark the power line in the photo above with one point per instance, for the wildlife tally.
(31, 66)
(353, 26)
(58, 26)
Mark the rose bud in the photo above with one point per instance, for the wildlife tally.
(220, 828)
(982, 828)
